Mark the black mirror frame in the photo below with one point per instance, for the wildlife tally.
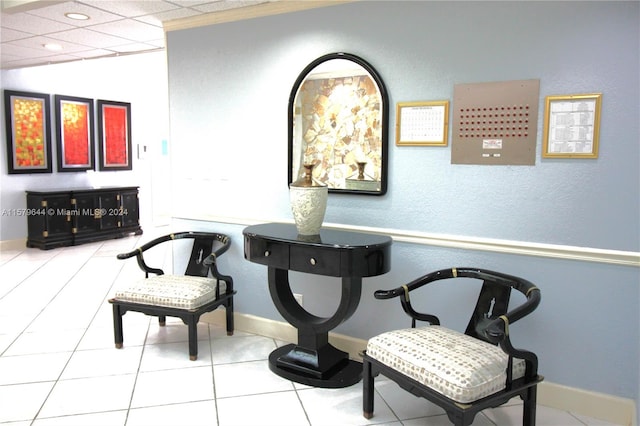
(384, 123)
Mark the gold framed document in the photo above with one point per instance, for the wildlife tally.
(572, 126)
(422, 123)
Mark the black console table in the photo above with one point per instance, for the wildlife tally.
(349, 255)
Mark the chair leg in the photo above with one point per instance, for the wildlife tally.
(192, 323)
(229, 314)
(162, 320)
(367, 390)
(529, 408)
(117, 325)
(459, 419)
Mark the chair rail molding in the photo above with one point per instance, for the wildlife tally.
(524, 248)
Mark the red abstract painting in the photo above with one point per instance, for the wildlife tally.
(115, 135)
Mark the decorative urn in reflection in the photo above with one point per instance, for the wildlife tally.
(308, 202)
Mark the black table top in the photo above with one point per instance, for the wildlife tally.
(79, 189)
(329, 238)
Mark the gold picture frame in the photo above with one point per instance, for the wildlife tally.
(572, 126)
(422, 123)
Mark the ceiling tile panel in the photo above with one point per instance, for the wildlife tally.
(7, 34)
(20, 51)
(57, 13)
(93, 53)
(38, 43)
(121, 26)
(133, 47)
(32, 24)
(132, 8)
(130, 29)
(87, 37)
(159, 18)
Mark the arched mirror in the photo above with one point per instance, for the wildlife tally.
(338, 118)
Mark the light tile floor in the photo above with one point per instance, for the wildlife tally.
(58, 364)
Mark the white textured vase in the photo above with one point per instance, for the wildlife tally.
(308, 202)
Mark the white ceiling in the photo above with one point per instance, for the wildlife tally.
(114, 28)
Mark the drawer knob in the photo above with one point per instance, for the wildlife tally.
(267, 253)
(312, 261)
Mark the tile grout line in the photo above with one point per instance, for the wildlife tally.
(79, 340)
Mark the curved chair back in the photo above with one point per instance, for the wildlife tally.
(492, 303)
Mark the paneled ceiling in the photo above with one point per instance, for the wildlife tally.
(112, 28)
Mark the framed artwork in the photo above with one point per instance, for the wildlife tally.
(28, 126)
(422, 123)
(572, 126)
(114, 135)
(75, 134)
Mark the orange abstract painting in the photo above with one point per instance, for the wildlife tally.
(75, 134)
(27, 123)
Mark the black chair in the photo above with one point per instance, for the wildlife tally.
(462, 373)
(185, 296)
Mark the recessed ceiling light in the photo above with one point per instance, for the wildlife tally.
(77, 16)
(52, 46)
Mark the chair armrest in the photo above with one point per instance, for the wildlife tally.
(405, 300)
(497, 331)
(211, 262)
(138, 253)
(222, 247)
(141, 263)
(415, 284)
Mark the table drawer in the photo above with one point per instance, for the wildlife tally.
(314, 260)
(266, 252)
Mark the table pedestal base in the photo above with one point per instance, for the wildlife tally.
(302, 366)
(348, 255)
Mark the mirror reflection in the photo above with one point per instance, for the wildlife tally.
(338, 119)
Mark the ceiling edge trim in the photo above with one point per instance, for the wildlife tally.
(249, 12)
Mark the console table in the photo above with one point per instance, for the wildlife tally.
(349, 255)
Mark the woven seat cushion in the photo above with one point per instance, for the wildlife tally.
(458, 366)
(174, 291)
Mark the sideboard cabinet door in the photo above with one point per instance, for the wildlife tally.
(49, 220)
(86, 207)
(130, 209)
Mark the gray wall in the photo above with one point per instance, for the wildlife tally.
(229, 86)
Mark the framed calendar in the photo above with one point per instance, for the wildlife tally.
(422, 123)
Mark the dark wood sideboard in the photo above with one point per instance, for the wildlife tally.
(66, 217)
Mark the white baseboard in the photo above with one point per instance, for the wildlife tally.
(612, 409)
(13, 244)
